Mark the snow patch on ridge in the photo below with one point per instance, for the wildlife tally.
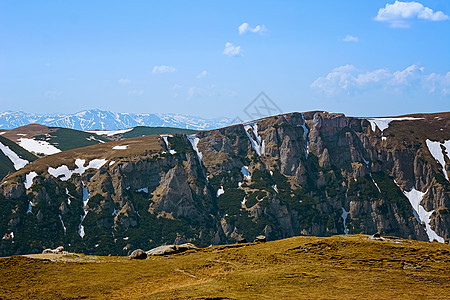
(18, 162)
(436, 151)
(383, 123)
(121, 147)
(29, 179)
(38, 147)
(258, 145)
(80, 169)
(109, 132)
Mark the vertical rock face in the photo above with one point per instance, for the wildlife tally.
(315, 173)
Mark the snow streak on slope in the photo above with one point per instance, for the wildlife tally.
(344, 218)
(246, 173)
(13, 157)
(166, 140)
(193, 139)
(436, 151)
(258, 144)
(106, 120)
(415, 197)
(85, 211)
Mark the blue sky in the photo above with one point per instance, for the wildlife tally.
(211, 58)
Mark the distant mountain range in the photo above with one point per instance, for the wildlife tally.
(107, 120)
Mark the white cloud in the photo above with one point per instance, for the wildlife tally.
(348, 79)
(123, 81)
(438, 83)
(202, 74)
(52, 94)
(405, 76)
(350, 38)
(231, 50)
(163, 69)
(208, 91)
(399, 13)
(245, 27)
(136, 92)
(191, 92)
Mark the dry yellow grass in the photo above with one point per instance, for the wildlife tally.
(337, 267)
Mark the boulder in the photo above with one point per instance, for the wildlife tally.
(170, 249)
(47, 251)
(60, 249)
(185, 247)
(138, 254)
(260, 239)
(162, 250)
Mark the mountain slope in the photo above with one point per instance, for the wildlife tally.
(43, 140)
(315, 173)
(106, 120)
(340, 267)
(12, 157)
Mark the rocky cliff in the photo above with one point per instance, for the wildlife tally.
(315, 173)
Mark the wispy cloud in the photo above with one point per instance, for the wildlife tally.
(348, 79)
(399, 14)
(350, 38)
(123, 81)
(207, 91)
(191, 92)
(245, 27)
(163, 69)
(438, 83)
(52, 94)
(231, 50)
(202, 74)
(136, 92)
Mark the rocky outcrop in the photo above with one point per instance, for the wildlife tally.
(315, 173)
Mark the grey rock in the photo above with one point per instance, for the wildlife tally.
(138, 254)
(260, 239)
(170, 249)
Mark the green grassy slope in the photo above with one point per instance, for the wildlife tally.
(142, 130)
(66, 139)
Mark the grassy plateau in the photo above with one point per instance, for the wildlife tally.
(338, 267)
